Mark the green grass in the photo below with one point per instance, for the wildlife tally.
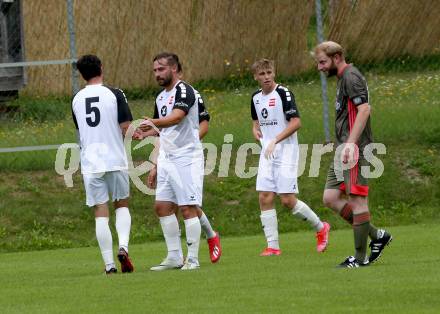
(405, 280)
(37, 211)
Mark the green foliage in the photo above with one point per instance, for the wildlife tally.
(137, 93)
(405, 280)
(38, 109)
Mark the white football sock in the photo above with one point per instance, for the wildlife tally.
(269, 222)
(206, 226)
(171, 233)
(193, 231)
(104, 237)
(123, 225)
(304, 212)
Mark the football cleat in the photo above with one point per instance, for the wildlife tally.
(270, 252)
(322, 237)
(352, 262)
(111, 271)
(215, 249)
(378, 245)
(190, 264)
(126, 265)
(167, 264)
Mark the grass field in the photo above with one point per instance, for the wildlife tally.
(405, 280)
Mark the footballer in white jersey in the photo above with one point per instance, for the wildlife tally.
(180, 166)
(102, 116)
(275, 124)
(98, 111)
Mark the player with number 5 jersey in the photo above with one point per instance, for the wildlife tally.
(102, 116)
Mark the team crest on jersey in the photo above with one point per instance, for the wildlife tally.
(163, 111)
(264, 113)
(272, 102)
(357, 101)
(171, 100)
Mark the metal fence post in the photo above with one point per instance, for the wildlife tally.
(320, 37)
(72, 45)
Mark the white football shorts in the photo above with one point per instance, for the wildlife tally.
(277, 177)
(180, 182)
(99, 185)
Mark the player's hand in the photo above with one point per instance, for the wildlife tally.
(152, 178)
(349, 154)
(257, 134)
(138, 135)
(147, 124)
(270, 150)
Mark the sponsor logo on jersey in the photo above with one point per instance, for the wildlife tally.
(290, 112)
(357, 100)
(264, 113)
(181, 105)
(268, 123)
(272, 102)
(163, 111)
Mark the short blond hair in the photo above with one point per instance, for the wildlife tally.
(262, 64)
(330, 48)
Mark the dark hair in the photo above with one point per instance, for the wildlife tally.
(172, 59)
(89, 66)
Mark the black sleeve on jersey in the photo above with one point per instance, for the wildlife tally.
(156, 112)
(124, 113)
(203, 113)
(74, 119)
(185, 97)
(356, 88)
(289, 105)
(73, 113)
(253, 111)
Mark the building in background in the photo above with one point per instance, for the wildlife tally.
(11, 49)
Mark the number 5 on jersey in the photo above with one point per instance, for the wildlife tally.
(91, 109)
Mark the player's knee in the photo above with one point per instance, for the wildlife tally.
(199, 212)
(329, 200)
(265, 199)
(288, 201)
(162, 211)
(121, 203)
(188, 211)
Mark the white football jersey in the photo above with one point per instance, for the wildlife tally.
(273, 111)
(182, 139)
(97, 112)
